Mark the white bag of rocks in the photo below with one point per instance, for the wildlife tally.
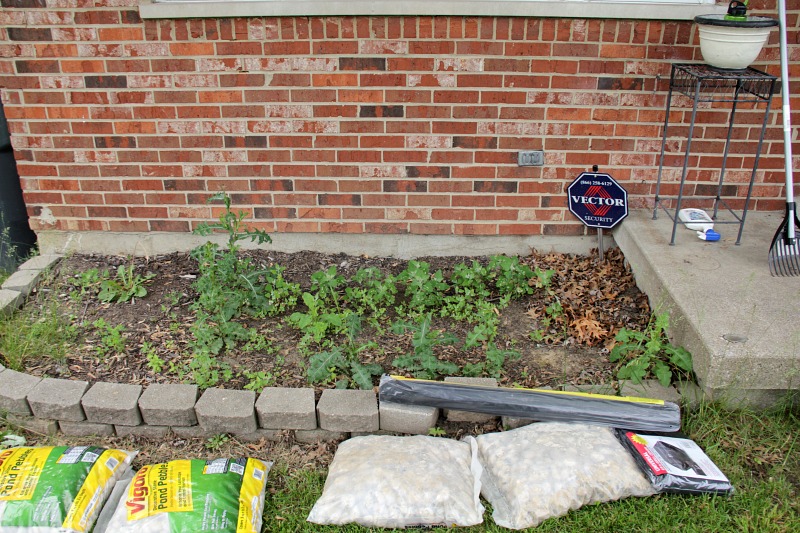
(396, 482)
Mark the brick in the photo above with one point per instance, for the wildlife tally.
(227, 411)
(314, 436)
(58, 399)
(36, 425)
(169, 404)
(411, 419)
(85, 429)
(286, 408)
(113, 403)
(10, 301)
(453, 415)
(14, 388)
(22, 281)
(146, 431)
(348, 410)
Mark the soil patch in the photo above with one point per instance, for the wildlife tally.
(596, 299)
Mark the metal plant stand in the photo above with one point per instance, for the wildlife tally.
(704, 83)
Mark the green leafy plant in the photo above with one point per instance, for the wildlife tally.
(649, 353)
(123, 287)
(552, 325)
(437, 432)
(111, 338)
(154, 362)
(422, 362)
(371, 294)
(342, 363)
(493, 365)
(216, 442)
(258, 381)
(424, 290)
(317, 322)
(511, 278)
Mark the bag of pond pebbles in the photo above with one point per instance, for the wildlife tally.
(396, 482)
(546, 469)
(57, 489)
(193, 495)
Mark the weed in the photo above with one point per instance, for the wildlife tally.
(216, 442)
(552, 326)
(125, 286)
(111, 338)
(317, 322)
(154, 361)
(437, 432)
(423, 363)
(258, 381)
(649, 352)
(493, 365)
(424, 290)
(41, 332)
(342, 363)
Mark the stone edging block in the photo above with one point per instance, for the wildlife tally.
(454, 415)
(14, 389)
(22, 281)
(59, 399)
(169, 404)
(113, 403)
(286, 408)
(227, 411)
(10, 301)
(348, 410)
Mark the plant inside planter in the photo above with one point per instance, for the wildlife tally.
(734, 40)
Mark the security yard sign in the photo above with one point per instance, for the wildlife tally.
(597, 200)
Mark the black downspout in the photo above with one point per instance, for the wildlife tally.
(13, 215)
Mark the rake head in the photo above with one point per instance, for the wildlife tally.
(784, 253)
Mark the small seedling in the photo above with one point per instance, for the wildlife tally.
(125, 286)
(217, 441)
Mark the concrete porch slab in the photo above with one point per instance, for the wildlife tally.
(741, 325)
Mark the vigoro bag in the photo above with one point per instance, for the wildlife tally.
(188, 496)
(385, 481)
(546, 469)
(57, 489)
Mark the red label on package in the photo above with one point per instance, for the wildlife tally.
(641, 446)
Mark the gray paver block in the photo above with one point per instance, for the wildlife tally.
(259, 434)
(692, 396)
(227, 411)
(312, 436)
(10, 301)
(454, 415)
(113, 403)
(37, 425)
(286, 408)
(59, 399)
(14, 388)
(191, 432)
(412, 419)
(599, 388)
(169, 405)
(148, 432)
(348, 410)
(41, 262)
(22, 281)
(649, 388)
(512, 422)
(85, 429)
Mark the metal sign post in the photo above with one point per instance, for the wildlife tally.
(598, 201)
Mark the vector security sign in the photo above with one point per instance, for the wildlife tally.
(597, 200)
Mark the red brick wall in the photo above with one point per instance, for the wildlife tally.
(353, 124)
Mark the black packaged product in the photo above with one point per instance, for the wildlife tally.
(675, 464)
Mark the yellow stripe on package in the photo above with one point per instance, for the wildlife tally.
(56, 489)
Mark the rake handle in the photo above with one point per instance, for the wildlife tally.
(787, 122)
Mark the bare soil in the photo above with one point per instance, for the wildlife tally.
(598, 298)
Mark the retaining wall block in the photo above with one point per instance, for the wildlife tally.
(148, 432)
(649, 388)
(169, 404)
(59, 399)
(14, 388)
(85, 429)
(412, 419)
(313, 436)
(606, 389)
(41, 262)
(22, 281)
(348, 410)
(227, 411)
(37, 425)
(113, 403)
(192, 432)
(286, 408)
(454, 415)
(10, 301)
(512, 422)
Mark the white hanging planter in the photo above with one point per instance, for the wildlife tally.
(732, 44)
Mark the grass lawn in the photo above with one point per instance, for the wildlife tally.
(757, 451)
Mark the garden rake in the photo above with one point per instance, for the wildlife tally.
(784, 253)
